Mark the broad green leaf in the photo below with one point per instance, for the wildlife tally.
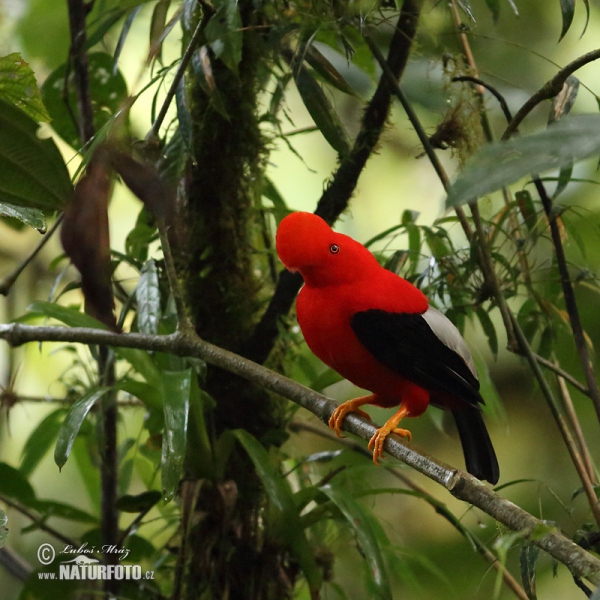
(19, 87)
(30, 216)
(363, 525)
(176, 402)
(147, 295)
(68, 315)
(140, 502)
(32, 171)
(567, 10)
(123, 36)
(3, 528)
(72, 423)
(14, 485)
(283, 500)
(499, 164)
(321, 111)
(40, 440)
(108, 92)
(224, 33)
(142, 363)
(147, 393)
(529, 557)
(200, 461)
(52, 508)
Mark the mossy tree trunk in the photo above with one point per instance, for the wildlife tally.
(229, 556)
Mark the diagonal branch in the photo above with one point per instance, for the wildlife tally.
(461, 485)
(339, 191)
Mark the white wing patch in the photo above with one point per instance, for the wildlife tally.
(447, 333)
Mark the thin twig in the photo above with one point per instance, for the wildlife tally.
(576, 425)
(460, 484)
(489, 88)
(570, 300)
(549, 90)
(109, 517)
(8, 281)
(438, 506)
(185, 60)
(39, 521)
(552, 366)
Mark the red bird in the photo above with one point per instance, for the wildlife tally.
(378, 331)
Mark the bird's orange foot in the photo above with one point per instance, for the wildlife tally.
(378, 439)
(335, 421)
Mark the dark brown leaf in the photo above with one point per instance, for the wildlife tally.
(146, 183)
(85, 238)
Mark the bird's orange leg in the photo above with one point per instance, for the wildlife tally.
(335, 421)
(390, 426)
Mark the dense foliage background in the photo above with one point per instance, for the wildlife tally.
(204, 123)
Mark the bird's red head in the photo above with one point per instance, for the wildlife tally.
(306, 243)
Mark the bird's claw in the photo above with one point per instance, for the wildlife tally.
(378, 440)
(335, 421)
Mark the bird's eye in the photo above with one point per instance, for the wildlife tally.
(334, 248)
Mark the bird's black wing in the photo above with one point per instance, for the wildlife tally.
(407, 344)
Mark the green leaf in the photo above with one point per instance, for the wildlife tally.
(68, 315)
(32, 171)
(567, 10)
(149, 394)
(139, 503)
(147, 295)
(176, 402)
(72, 423)
(108, 91)
(321, 111)
(325, 379)
(52, 508)
(501, 163)
(325, 69)
(529, 557)
(280, 208)
(30, 216)
(14, 485)
(142, 363)
(364, 526)
(157, 26)
(19, 87)
(283, 500)
(40, 440)
(224, 33)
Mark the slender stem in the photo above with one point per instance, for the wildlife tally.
(40, 523)
(460, 484)
(77, 14)
(185, 325)
(8, 281)
(570, 300)
(549, 90)
(109, 518)
(185, 60)
(576, 425)
(552, 366)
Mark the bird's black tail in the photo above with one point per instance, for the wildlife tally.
(480, 457)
